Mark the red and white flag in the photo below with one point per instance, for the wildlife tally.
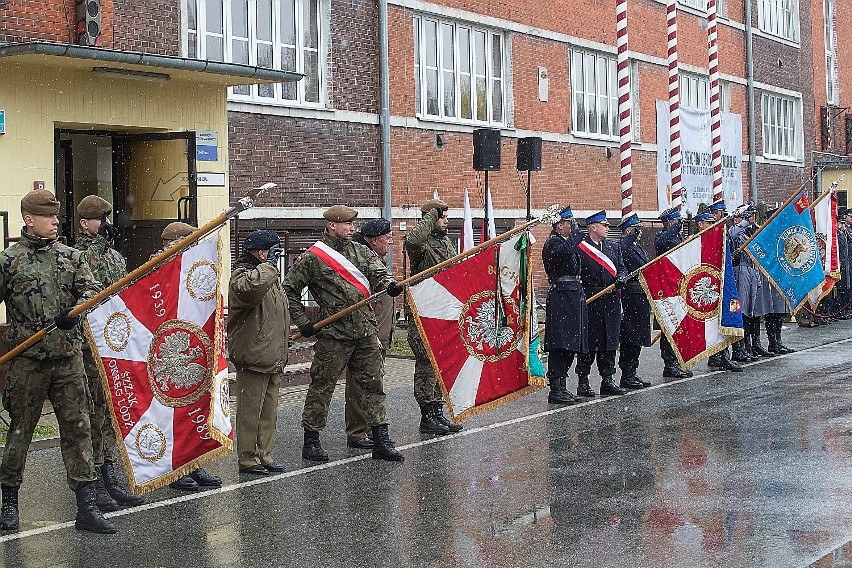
(694, 297)
(824, 214)
(467, 226)
(160, 348)
(474, 325)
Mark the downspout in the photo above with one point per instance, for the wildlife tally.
(752, 151)
(384, 119)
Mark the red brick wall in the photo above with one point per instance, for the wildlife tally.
(354, 61)
(152, 26)
(47, 20)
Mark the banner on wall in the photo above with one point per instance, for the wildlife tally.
(697, 158)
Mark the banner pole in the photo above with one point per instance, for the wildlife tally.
(243, 204)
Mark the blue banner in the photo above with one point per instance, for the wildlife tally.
(787, 251)
(732, 316)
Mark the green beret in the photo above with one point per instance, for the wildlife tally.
(92, 207)
(340, 214)
(40, 202)
(434, 204)
(176, 230)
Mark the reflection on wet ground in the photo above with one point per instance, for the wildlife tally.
(738, 470)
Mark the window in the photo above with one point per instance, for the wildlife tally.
(594, 95)
(459, 71)
(779, 18)
(832, 92)
(278, 34)
(781, 118)
(694, 91)
(702, 5)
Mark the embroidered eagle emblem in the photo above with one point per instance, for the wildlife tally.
(482, 329)
(705, 292)
(174, 365)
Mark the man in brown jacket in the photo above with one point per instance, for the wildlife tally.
(375, 234)
(258, 334)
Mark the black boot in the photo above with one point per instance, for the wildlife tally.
(756, 347)
(583, 388)
(771, 346)
(777, 324)
(383, 447)
(728, 364)
(739, 352)
(103, 499)
(429, 423)
(89, 517)
(438, 415)
(204, 479)
(629, 380)
(312, 450)
(609, 388)
(116, 490)
(715, 362)
(9, 511)
(747, 346)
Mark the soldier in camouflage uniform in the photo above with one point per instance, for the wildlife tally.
(41, 280)
(108, 266)
(335, 270)
(428, 245)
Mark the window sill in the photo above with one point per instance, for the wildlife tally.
(460, 122)
(782, 160)
(780, 39)
(598, 137)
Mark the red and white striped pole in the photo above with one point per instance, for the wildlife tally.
(715, 100)
(674, 105)
(624, 109)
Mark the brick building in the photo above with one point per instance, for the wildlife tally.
(528, 69)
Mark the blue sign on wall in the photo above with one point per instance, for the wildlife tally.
(2, 122)
(206, 146)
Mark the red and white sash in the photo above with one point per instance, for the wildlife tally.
(598, 257)
(341, 265)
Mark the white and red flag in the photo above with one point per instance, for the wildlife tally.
(824, 214)
(466, 242)
(160, 348)
(474, 324)
(694, 297)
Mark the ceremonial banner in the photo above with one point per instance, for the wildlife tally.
(824, 214)
(528, 297)
(786, 250)
(693, 295)
(160, 348)
(473, 319)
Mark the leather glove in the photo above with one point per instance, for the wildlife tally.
(394, 289)
(63, 321)
(308, 329)
(274, 254)
(620, 283)
(107, 230)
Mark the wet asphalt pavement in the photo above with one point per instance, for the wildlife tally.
(740, 470)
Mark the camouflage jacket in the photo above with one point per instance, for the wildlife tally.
(106, 263)
(427, 245)
(39, 277)
(332, 292)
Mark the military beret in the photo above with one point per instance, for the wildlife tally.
(434, 204)
(262, 239)
(176, 230)
(40, 202)
(92, 207)
(376, 228)
(340, 214)
(670, 214)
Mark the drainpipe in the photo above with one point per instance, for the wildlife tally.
(752, 151)
(384, 119)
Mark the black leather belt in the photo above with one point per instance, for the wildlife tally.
(566, 279)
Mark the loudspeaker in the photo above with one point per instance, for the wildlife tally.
(529, 154)
(486, 149)
(88, 21)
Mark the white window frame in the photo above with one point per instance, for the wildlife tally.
(603, 91)
(832, 87)
(781, 118)
(694, 91)
(197, 48)
(779, 18)
(445, 70)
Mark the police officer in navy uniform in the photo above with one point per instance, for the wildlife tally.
(605, 312)
(664, 241)
(636, 321)
(567, 316)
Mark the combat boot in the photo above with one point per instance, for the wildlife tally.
(104, 501)
(747, 347)
(739, 352)
(715, 362)
(438, 415)
(756, 347)
(608, 387)
(9, 510)
(629, 380)
(115, 489)
(382, 445)
(728, 364)
(429, 424)
(583, 388)
(774, 335)
(312, 450)
(89, 517)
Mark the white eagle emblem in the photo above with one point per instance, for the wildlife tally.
(483, 328)
(705, 292)
(174, 365)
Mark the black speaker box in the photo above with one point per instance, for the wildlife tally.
(486, 149)
(529, 154)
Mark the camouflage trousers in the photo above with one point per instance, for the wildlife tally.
(426, 387)
(356, 420)
(362, 359)
(28, 383)
(104, 439)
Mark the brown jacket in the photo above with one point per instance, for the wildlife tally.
(258, 317)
